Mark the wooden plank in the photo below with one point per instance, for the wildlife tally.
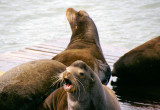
(59, 43)
(50, 47)
(38, 52)
(43, 50)
(29, 54)
(48, 50)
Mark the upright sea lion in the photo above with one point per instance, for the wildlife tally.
(27, 85)
(140, 66)
(84, 45)
(82, 90)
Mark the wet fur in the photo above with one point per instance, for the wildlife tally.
(140, 66)
(27, 85)
(91, 94)
(84, 45)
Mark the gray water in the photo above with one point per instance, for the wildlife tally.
(120, 23)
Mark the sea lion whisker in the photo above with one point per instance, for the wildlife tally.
(61, 81)
(78, 90)
(55, 82)
(81, 84)
(54, 76)
(57, 78)
(52, 85)
(78, 86)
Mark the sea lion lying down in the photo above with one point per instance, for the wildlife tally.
(82, 90)
(26, 86)
(140, 66)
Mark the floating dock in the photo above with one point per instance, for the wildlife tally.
(48, 50)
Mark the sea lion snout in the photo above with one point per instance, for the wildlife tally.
(66, 74)
(70, 10)
(71, 17)
(67, 78)
(71, 14)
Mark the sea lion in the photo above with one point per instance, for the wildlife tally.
(82, 90)
(1, 72)
(26, 86)
(84, 45)
(140, 66)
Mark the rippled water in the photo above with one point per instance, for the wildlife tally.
(121, 23)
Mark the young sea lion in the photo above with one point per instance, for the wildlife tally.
(82, 90)
(84, 45)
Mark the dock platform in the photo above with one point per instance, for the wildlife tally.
(49, 49)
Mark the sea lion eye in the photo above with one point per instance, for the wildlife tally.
(81, 74)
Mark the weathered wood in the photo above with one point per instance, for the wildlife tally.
(47, 50)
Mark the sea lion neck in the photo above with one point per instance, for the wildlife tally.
(77, 95)
(78, 102)
(86, 33)
(82, 26)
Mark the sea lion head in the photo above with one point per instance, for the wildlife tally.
(77, 77)
(82, 26)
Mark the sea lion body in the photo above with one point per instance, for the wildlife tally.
(26, 86)
(82, 90)
(84, 45)
(140, 66)
(1, 72)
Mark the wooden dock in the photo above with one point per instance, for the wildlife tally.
(48, 50)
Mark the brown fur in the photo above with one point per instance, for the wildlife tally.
(1, 73)
(27, 85)
(84, 45)
(92, 95)
(140, 65)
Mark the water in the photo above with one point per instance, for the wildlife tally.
(120, 23)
